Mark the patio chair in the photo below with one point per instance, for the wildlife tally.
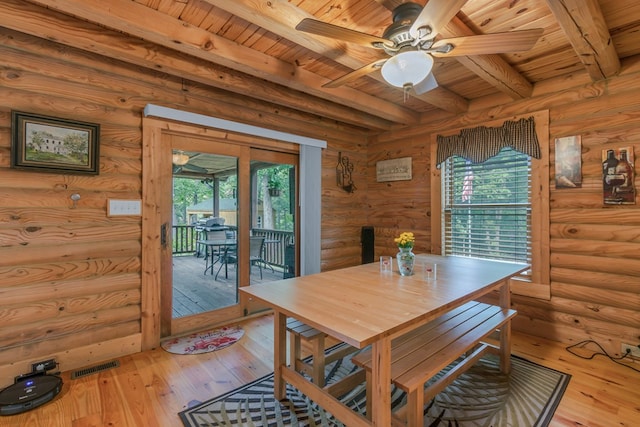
(228, 255)
(256, 247)
(212, 253)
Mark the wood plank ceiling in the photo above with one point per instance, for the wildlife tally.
(251, 47)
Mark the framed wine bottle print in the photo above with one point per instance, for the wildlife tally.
(618, 176)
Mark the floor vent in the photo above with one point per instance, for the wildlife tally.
(94, 369)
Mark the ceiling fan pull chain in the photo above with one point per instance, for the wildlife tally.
(405, 91)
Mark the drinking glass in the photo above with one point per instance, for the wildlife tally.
(386, 264)
(429, 271)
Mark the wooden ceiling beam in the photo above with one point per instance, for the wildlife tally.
(490, 68)
(583, 23)
(135, 19)
(281, 18)
(41, 23)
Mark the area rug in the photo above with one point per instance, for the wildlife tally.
(204, 342)
(480, 397)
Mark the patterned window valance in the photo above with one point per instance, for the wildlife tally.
(480, 143)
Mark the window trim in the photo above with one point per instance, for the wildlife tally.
(539, 285)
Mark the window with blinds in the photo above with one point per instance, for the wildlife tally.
(487, 207)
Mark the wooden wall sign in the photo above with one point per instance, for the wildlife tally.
(394, 170)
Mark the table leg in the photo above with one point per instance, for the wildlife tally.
(212, 261)
(279, 354)
(381, 383)
(505, 330)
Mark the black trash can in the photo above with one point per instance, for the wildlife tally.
(367, 240)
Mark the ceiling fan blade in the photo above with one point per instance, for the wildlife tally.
(435, 15)
(429, 83)
(325, 29)
(512, 41)
(369, 68)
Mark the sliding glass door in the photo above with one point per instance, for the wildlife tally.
(233, 224)
(204, 231)
(272, 239)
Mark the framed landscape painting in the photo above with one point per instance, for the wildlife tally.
(50, 144)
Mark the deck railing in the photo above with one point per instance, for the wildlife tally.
(276, 241)
(184, 239)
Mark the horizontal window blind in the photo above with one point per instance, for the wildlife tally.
(487, 207)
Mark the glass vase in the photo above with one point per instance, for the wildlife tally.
(406, 260)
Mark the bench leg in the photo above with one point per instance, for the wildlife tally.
(505, 330)
(505, 348)
(368, 390)
(294, 349)
(316, 368)
(415, 405)
(318, 361)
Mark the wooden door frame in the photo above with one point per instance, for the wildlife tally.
(156, 178)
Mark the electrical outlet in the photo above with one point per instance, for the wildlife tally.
(44, 366)
(634, 350)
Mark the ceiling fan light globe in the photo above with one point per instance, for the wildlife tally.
(180, 159)
(410, 67)
(426, 85)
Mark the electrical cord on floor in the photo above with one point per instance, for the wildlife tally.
(601, 353)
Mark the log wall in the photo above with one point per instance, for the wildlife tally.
(70, 278)
(594, 248)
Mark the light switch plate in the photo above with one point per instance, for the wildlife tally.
(117, 207)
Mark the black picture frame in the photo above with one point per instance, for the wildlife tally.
(51, 144)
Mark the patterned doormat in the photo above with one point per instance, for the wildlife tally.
(204, 342)
(480, 397)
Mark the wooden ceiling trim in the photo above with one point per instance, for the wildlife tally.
(125, 16)
(68, 31)
(584, 25)
(281, 19)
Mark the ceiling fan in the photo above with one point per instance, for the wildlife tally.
(181, 160)
(410, 43)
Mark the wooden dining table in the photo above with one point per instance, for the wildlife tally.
(362, 306)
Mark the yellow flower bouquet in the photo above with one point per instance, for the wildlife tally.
(406, 240)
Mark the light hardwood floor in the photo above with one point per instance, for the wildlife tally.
(150, 388)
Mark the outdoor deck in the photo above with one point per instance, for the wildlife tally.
(195, 292)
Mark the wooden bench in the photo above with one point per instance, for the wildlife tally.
(419, 355)
(300, 332)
